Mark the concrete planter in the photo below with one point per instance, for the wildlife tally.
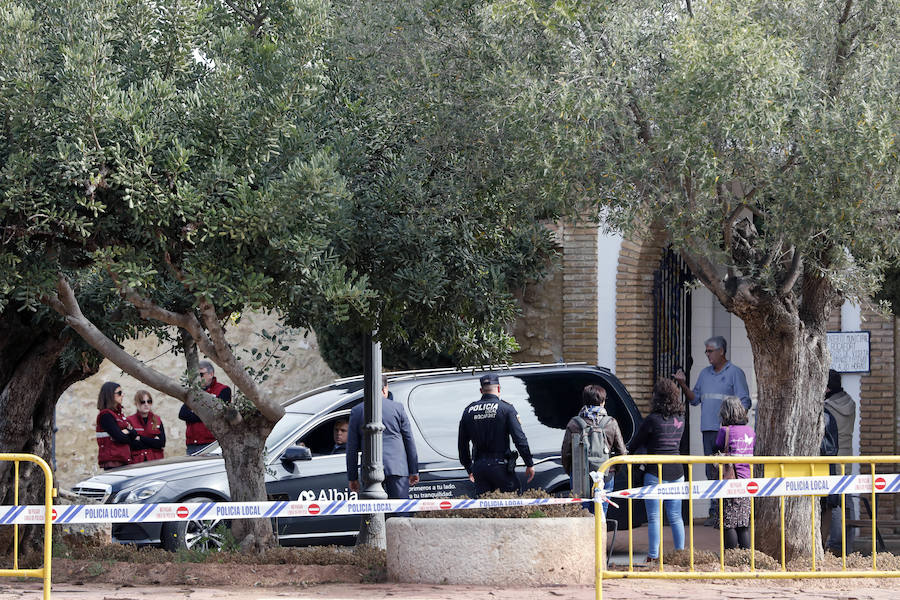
(491, 551)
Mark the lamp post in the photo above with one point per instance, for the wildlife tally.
(371, 529)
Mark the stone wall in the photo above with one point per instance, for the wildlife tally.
(579, 293)
(559, 314)
(878, 426)
(879, 400)
(539, 331)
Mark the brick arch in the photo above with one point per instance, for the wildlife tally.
(638, 260)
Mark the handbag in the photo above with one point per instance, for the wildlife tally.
(728, 471)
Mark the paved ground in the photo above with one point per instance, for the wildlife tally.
(621, 589)
(637, 589)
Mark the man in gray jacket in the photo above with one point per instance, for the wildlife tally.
(401, 463)
(843, 410)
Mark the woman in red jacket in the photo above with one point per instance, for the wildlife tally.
(115, 435)
(152, 435)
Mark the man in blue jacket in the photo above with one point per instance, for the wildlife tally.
(401, 463)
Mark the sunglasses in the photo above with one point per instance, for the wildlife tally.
(118, 392)
(146, 401)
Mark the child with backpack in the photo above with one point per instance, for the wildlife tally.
(591, 438)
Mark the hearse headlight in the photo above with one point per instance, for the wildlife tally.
(139, 493)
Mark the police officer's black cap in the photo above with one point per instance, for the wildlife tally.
(489, 379)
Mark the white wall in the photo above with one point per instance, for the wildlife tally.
(852, 382)
(608, 246)
(709, 318)
(702, 310)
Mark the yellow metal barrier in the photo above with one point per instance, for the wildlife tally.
(781, 466)
(44, 571)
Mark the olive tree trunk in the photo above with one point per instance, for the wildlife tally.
(786, 329)
(791, 364)
(31, 381)
(243, 449)
(243, 444)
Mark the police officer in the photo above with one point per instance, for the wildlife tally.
(488, 424)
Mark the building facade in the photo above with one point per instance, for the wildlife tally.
(623, 303)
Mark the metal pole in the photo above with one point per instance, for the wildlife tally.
(371, 531)
(599, 540)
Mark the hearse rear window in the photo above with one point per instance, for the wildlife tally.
(545, 403)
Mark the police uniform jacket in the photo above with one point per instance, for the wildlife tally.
(488, 424)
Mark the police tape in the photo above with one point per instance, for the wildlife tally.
(72, 514)
(763, 487)
(196, 511)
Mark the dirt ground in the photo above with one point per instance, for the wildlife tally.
(109, 580)
(99, 571)
(88, 572)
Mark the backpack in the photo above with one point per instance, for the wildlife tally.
(589, 451)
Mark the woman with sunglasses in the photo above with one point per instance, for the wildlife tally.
(152, 435)
(115, 435)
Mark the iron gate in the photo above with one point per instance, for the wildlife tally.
(671, 316)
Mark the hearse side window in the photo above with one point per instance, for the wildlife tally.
(556, 398)
(320, 440)
(545, 403)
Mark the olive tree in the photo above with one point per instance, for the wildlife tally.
(171, 149)
(760, 134)
(436, 221)
(199, 160)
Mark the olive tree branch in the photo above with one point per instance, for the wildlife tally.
(706, 271)
(793, 273)
(66, 304)
(226, 359)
